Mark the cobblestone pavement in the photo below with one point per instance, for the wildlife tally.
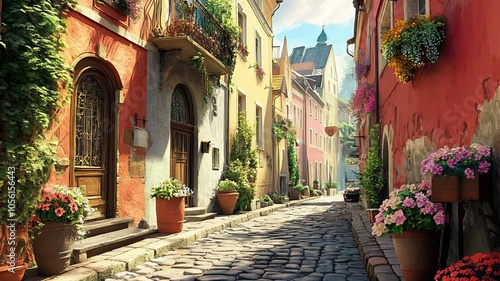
(311, 241)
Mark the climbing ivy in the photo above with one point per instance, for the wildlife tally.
(243, 164)
(293, 167)
(32, 76)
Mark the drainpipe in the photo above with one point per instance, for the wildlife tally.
(275, 142)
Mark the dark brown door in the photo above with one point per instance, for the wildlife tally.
(94, 141)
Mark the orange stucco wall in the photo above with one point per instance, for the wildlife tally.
(129, 61)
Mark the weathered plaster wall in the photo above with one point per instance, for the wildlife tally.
(209, 127)
(87, 38)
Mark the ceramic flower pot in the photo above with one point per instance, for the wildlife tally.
(227, 201)
(170, 215)
(294, 194)
(417, 252)
(53, 247)
(16, 273)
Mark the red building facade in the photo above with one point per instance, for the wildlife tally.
(452, 102)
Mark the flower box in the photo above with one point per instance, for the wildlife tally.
(413, 43)
(454, 188)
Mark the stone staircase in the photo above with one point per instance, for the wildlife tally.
(197, 214)
(106, 235)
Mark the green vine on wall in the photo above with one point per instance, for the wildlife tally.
(372, 176)
(293, 167)
(242, 167)
(32, 76)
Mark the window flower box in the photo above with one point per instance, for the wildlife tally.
(413, 43)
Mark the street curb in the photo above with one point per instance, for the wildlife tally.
(374, 251)
(103, 266)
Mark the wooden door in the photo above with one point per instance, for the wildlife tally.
(181, 138)
(94, 142)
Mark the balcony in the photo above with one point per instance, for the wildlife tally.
(193, 29)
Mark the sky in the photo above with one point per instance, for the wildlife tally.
(301, 21)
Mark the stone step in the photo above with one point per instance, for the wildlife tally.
(194, 211)
(99, 244)
(98, 227)
(200, 217)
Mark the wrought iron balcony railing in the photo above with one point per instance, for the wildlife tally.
(195, 21)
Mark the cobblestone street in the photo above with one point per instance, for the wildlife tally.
(311, 241)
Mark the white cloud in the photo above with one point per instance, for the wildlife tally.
(293, 13)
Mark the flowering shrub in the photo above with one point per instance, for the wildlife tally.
(413, 43)
(170, 188)
(62, 204)
(458, 161)
(259, 71)
(132, 8)
(363, 100)
(476, 267)
(409, 208)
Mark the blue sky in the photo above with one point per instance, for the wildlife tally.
(301, 21)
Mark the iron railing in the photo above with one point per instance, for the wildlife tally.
(194, 20)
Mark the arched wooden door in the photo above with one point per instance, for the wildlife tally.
(181, 138)
(93, 131)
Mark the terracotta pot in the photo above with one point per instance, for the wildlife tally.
(454, 188)
(16, 273)
(294, 194)
(371, 214)
(227, 201)
(417, 252)
(53, 247)
(170, 215)
(306, 193)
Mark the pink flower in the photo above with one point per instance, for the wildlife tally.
(421, 199)
(73, 207)
(439, 218)
(484, 167)
(398, 217)
(59, 211)
(408, 202)
(469, 173)
(428, 208)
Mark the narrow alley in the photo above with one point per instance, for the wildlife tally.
(310, 241)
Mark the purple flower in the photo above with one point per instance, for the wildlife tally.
(469, 173)
(409, 202)
(428, 208)
(421, 199)
(439, 218)
(484, 167)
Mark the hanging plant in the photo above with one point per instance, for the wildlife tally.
(413, 43)
(363, 100)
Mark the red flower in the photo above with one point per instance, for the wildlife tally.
(477, 267)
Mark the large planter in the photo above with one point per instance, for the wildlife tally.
(454, 188)
(53, 247)
(306, 193)
(417, 252)
(227, 201)
(9, 273)
(330, 191)
(294, 194)
(170, 215)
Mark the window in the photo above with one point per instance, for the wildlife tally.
(258, 49)
(315, 112)
(242, 24)
(385, 21)
(415, 7)
(310, 107)
(259, 127)
(310, 137)
(215, 158)
(242, 102)
(316, 141)
(295, 115)
(321, 115)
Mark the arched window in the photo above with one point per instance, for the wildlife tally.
(180, 107)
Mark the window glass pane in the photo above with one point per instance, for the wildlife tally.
(421, 7)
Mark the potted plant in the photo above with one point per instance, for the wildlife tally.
(278, 198)
(414, 222)
(242, 49)
(363, 100)
(296, 191)
(331, 188)
(459, 173)
(227, 196)
(59, 219)
(413, 43)
(315, 184)
(170, 205)
(259, 71)
(306, 192)
(476, 267)
(266, 201)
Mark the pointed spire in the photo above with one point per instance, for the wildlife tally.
(322, 38)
